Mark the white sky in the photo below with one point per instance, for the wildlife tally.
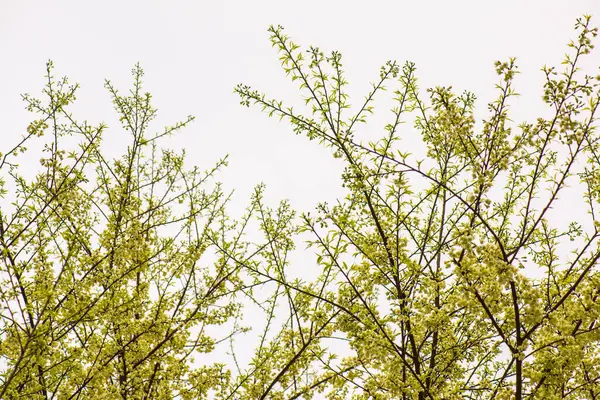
(195, 52)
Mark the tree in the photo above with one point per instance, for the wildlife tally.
(103, 292)
(442, 275)
(465, 289)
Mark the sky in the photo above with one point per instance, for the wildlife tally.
(195, 52)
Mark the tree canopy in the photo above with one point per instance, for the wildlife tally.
(447, 273)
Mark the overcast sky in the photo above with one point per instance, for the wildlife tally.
(195, 52)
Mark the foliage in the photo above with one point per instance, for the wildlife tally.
(103, 293)
(442, 275)
(464, 289)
